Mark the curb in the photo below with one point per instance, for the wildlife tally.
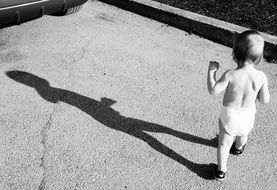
(212, 29)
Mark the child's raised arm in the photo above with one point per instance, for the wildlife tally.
(263, 95)
(215, 87)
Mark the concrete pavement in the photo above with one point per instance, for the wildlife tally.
(106, 99)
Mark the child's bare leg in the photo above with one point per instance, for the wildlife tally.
(240, 142)
(225, 142)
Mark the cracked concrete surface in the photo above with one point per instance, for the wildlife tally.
(43, 158)
(106, 99)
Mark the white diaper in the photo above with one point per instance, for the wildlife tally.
(237, 121)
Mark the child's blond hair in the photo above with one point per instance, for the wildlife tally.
(248, 46)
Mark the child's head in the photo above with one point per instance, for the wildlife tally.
(248, 46)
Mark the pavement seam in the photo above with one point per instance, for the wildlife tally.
(43, 141)
(209, 28)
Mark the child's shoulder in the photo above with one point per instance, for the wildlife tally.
(260, 73)
(231, 73)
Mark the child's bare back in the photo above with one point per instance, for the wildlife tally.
(244, 85)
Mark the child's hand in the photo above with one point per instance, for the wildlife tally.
(214, 65)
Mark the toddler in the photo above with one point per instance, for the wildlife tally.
(243, 86)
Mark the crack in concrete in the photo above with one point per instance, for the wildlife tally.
(43, 141)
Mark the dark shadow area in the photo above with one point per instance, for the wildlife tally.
(103, 113)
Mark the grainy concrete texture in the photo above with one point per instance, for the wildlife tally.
(107, 99)
(212, 29)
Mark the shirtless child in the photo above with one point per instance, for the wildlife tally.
(243, 86)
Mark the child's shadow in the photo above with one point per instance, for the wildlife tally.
(103, 113)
